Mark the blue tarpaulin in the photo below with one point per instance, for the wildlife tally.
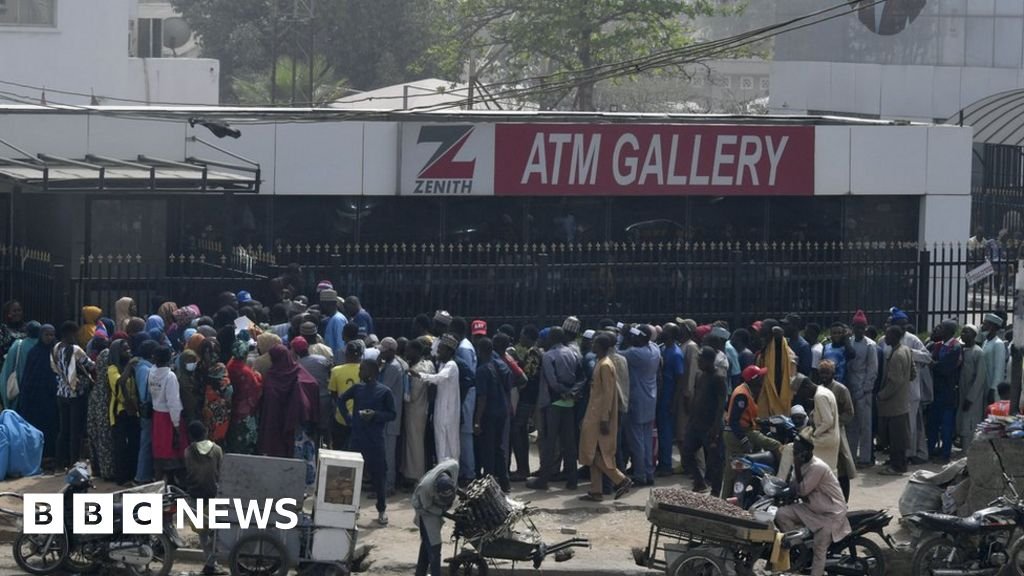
(21, 446)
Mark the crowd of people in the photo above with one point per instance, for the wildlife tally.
(614, 401)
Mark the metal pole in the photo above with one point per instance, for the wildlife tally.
(1017, 350)
(273, 52)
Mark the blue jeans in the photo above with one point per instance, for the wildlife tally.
(144, 469)
(641, 447)
(666, 435)
(941, 420)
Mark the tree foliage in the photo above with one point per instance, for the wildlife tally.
(368, 43)
(517, 39)
(291, 77)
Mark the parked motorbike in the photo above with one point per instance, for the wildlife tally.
(138, 555)
(978, 545)
(752, 469)
(855, 555)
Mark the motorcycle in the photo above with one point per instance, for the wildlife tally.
(854, 555)
(138, 555)
(981, 544)
(752, 469)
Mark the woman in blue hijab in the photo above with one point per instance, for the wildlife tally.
(15, 362)
(38, 384)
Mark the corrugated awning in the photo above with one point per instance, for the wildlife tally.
(996, 119)
(46, 173)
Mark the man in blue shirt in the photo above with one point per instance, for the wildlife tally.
(838, 350)
(491, 414)
(373, 408)
(144, 469)
(644, 361)
(459, 328)
(356, 313)
(334, 322)
(672, 382)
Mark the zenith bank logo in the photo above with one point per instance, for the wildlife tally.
(442, 173)
(888, 17)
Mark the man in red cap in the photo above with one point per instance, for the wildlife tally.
(477, 329)
(861, 373)
(742, 435)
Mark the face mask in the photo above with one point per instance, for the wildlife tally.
(191, 366)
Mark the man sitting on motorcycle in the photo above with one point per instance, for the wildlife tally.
(822, 509)
(741, 421)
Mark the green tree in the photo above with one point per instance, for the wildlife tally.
(291, 76)
(515, 39)
(370, 43)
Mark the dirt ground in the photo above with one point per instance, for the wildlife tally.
(614, 528)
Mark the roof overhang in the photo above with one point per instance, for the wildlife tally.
(996, 119)
(46, 173)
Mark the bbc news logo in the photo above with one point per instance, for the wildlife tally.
(143, 514)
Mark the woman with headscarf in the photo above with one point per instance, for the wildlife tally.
(189, 385)
(166, 312)
(213, 379)
(90, 316)
(108, 326)
(290, 401)
(99, 342)
(123, 414)
(124, 310)
(182, 321)
(38, 399)
(264, 342)
(97, 419)
(18, 355)
(135, 326)
(245, 401)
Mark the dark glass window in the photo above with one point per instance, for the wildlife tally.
(728, 219)
(806, 219)
(881, 218)
(647, 219)
(566, 219)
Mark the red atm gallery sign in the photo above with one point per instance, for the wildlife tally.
(610, 159)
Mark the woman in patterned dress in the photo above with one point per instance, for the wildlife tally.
(217, 391)
(245, 401)
(98, 428)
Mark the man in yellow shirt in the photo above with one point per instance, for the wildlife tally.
(343, 377)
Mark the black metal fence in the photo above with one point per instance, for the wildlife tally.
(543, 283)
(29, 276)
(738, 282)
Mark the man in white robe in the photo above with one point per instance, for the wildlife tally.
(447, 402)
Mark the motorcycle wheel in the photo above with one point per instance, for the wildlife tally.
(78, 562)
(937, 553)
(699, 562)
(163, 557)
(1015, 565)
(868, 557)
(34, 554)
(259, 555)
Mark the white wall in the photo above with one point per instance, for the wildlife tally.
(353, 158)
(929, 161)
(87, 52)
(922, 93)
